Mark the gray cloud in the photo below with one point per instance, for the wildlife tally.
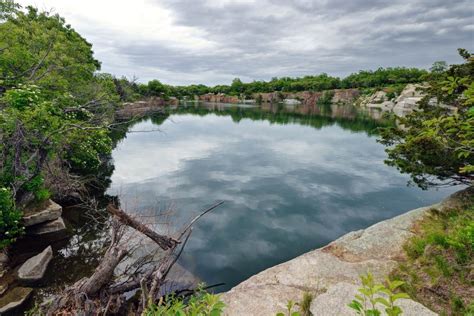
(257, 40)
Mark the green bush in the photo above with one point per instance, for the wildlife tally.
(199, 304)
(440, 259)
(10, 226)
(85, 150)
(373, 296)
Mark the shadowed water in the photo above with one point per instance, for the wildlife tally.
(293, 179)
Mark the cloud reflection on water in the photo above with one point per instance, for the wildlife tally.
(288, 188)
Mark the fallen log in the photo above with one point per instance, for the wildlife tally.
(165, 242)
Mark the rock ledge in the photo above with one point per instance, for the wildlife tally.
(332, 273)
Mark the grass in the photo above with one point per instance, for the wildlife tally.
(439, 270)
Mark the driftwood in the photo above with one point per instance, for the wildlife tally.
(98, 294)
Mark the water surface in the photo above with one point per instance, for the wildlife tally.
(293, 179)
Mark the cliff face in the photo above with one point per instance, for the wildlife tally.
(332, 273)
(402, 105)
(218, 98)
(309, 98)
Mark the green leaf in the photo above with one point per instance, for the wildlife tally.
(382, 300)
(355, 305)
(400, 295)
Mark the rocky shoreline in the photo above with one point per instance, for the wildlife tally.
(332, 273)
(18, 277)
(376, 103)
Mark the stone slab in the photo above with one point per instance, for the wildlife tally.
(48, 212)
(35, 267)
(14, 298)
(54, 226)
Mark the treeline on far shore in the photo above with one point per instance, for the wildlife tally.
(396, 78)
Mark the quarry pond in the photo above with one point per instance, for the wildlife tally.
(292, 179)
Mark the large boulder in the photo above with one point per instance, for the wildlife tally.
(54, 226)
(35, 267)
(47, 211)
(14, 299)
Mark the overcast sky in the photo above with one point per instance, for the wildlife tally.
(214, 41)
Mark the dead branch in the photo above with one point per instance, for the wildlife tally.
(164, 242)
(99, 295)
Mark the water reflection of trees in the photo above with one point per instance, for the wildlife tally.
(317, 116)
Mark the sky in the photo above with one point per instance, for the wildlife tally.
(182, 42)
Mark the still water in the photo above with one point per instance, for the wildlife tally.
(293, 179)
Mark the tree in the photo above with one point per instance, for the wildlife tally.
(156, 88)
(439, 67)
(435, 144)
(8, 8)
(237, 87)
(54, 111)
(41, 49)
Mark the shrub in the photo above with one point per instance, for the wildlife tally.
(440, 259)
(373, 295)
(10, 227)
(201, 303)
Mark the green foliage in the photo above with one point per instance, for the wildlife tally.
(85, 150)
(36, 186)
(10, 227)
(23, 97)
(289, 310)
(8, 8)
(373, 295)
(325, 99)
(440, 257)
(439, 67)
(383, 77)
(199, 304)
(364, 79)
(54, 107)
(41, 49)
(436, 144)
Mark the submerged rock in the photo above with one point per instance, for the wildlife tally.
(54, 226)
(35, 267)
(14, 299)
(47, 211)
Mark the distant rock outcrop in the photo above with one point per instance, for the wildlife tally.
(141, 108)
(308, 98)
(405, 103)
(218, 98)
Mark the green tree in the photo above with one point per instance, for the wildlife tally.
(54, 110)
(41, 49)
(439, 67)
(435, 144)
(156, 88)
